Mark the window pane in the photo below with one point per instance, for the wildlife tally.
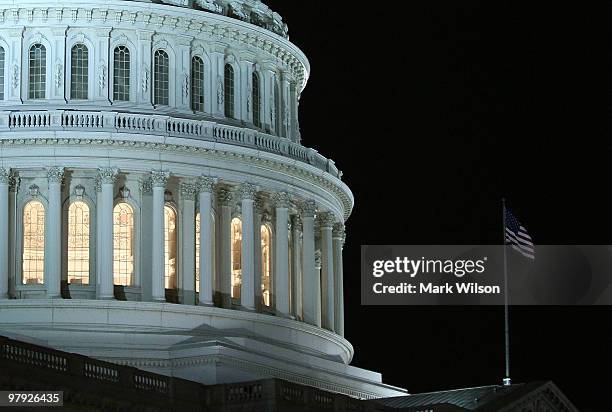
(78, 243)
(236, 253)
(256, 101)
(229, 91)
(2, 58)
(123, 244)
(33, 243)
(170, 247)
(197, 84)
(161, 78)
(198, 232)
(79, 72)
(38, 71)
(265, 265)
(121, 74)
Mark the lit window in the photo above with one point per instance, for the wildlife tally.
(256, 101)
(198, 232)
(229, 91)
(38, 71)
(265, 265)
(123, 244)
(170, 247)
(161, 78)
(33, 264)
(197, 84)
(121, 74)
(236, 257)
(2, 57)
(79, 76)
(78, 243)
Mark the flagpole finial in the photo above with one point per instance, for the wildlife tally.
(507, 381)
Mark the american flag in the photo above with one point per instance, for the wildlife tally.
(517, 236)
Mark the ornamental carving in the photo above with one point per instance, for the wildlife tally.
(224, 196)
(79, 191)
(159, 178)
(206, 184)
(326, 220)
(102, 76)
(145, 185)
(220, 92)
(144, 80)
(308, 208)
(186, 85)
(282, 200)
(107, 175)
(15, 76)
(248, 191)
(189, 191)
(5, 176)
(59, 74)
(55, 174)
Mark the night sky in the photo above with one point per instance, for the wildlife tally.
(435, 111)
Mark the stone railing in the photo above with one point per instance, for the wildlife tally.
(114, 122)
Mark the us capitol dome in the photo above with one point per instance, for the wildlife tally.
(157, 206)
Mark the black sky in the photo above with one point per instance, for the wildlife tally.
(435, 111)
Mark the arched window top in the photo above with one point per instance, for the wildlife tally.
(161, 78)
(229, 91)
(78, 242)
(256, 100)
(197, 84)
(33, 259)
(79, 72)
(121, 73)
(170, 252)
(236, 253)
(123, 244)
(37, 81)
(266, 264)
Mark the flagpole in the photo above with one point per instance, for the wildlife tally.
(507, 381)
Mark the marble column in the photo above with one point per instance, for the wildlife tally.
(5, 180)
(296, 247)
(247, 295)
(107, 177)
(339, 237)
(311, 283)
(98, 190)
(326, 222)
(281, 254)
(206, 233)
(159, 178)
(258, 213)
(225, 200)
(53, 241)
(188, 192)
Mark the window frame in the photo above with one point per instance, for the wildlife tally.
(174, 208)
(226, 92)
(27, 67)
(204, 88)
(130, 77)
(71, 91)
(170, 90)
(256, 80)
(93, 221)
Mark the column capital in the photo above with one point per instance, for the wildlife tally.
(260, 206)
(308, 208)
(326, 220)
(159, 178)
(248, 191)
(107, 175)
(225, 196)
(189, 190)
(339, 232)
(296, 223)
(282, 200)
(55, 174)
(5, 176)
(15, 181)
(206, 184)
(144, 183)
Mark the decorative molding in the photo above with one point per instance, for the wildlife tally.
(159, 178)
(339, 232)
(224, 196)
(79, 191)
(188, 190)
(5, 176)
(248, 191)
(206, 184)
(107, 175)
(102, 76)
(55, 174)
(326, 220)
(282, 200)
(145, 185)
(308, 209)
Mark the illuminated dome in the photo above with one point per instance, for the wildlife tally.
(157, 206)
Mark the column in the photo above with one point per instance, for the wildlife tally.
(146, 231)
(246, 76)
(57, 86)
(98, 190)
(285, 106)
(339, 237)
(258, 214)
(16, 72)
(311, 283)
(207, 185)
(326, 221)
(217, 71)
(225, 200)
(267, 94)
(144, 62)
(101, 54)
(53, 241)
(281, 254)
(159, 178)
(183, 72)
(107, 178)
(5, 180)
(188, 192)
(247, 294)
(296, 233)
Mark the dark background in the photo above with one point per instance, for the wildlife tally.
(435, 111)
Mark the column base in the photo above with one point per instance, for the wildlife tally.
(247, 309)
(159, 300)
(206, 304)
(106, 297)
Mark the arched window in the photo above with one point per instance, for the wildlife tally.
(33, 263)
(266, 263)
(229, 91)
(256, 100)
(123, 244)
(197, 84)
(2, 60)
(78, 243)
(38, 71)
(79, 76)
(277, 110)
(161, 80)
(198, 232)
(170, 246)
(236, 257)
(121, 74)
